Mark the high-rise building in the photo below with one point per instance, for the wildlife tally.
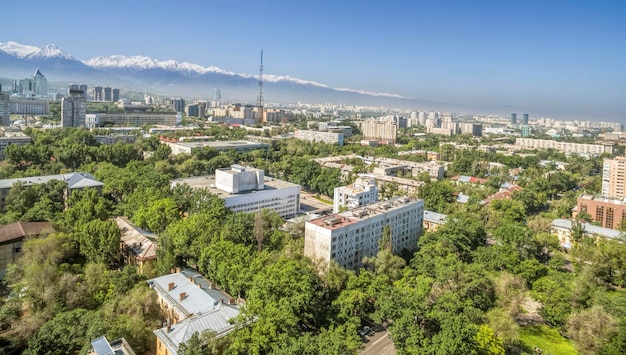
(613, 179)
(97, 93)
(5, 115)
(607, 212)
(348, 237)
(177, 104)
(526, 130)
(514, 118)
(362, 193)
(41, 84)
(74, 109)
(115, 92)
(107, 94)
(525, 119)
(382, 131)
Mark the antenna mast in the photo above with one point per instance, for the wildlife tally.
(260, 98)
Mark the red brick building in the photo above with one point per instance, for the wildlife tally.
(609, 212)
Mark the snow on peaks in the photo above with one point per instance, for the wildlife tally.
(143, 62)
(18, 50)
(23, 51)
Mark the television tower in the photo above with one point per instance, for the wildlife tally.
(260, 98)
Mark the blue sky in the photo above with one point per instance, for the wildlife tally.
(563, 57)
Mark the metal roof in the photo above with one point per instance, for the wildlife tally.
(101, 346)
(589, 228)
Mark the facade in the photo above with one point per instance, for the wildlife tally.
(37, 86)
(7, 141)
(318, 136)
(514, 118)
(5, 111)
(12, 238)
(192, 304)
(25, 105)
(525, 119)
(245, 189)
(41, 84)
(526, 130)
(97, 93)
(350, 236)
(137, 246)
(562, 228)
(239, 146)
(384, 132)
(115, 93)
(362, 193)
(608, 212)
(565, 147)
(614, 178)
(114, 138)
(74, 181)
(475, 129)
(132, 119)
(74, 109)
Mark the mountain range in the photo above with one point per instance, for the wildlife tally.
(169, 77)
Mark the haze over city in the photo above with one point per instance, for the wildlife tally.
(559, 59)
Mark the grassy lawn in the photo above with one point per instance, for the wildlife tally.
(328, 202)
(547, 339)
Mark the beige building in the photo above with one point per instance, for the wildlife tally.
(137, 246)
(350, 236)
(613, 178)
(384, 132)
(361, 193)
(565, 147)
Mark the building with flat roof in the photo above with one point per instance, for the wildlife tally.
(28, 105)
(348, 237)
(361, 193)
(608, 212)
(5, 142)
(239, 146)
(101, 346)
(191, 304)
(246, 189)
(74, 109)
(74, 181)
(319, 136)
(565, 147)
(614, 178)
(384, 132)
(133, 118)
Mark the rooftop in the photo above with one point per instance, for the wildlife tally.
(74, 180)
(18, 230)
(589, 228)
(225, 144)
(434, 217)
(141, 242)
(614, 201)
(343, 219)
(208, 182)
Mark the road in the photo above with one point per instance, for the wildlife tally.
(379, 344)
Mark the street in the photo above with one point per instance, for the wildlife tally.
(379, 344)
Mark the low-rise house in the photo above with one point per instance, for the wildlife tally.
(433, 220)
(101, 346)
(505, 193)
(562, 228)
(12, 237)
(137, 246)
(192, 304)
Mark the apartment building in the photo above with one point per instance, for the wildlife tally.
(384, 132)
(348, 237)
(361, 193)
(565, 147)
(5, 142)
(613, 180)
(247, 189)
(133, 118)
(318, 136)
(238, 146)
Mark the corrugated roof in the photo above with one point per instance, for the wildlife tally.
(141, 242)
(589, 228)
(18, 230)
(101, 346)
(74, 180)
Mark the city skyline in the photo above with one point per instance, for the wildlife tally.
(562, 58)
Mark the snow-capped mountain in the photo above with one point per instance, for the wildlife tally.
(170, 77)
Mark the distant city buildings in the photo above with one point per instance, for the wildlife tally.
(106, 94)
(514, 118)
(319, 136)
(37, 86)
(565, 147)
(385, 132)
(132, 118)
(238, 146)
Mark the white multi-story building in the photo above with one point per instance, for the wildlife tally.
(15, 140)
(566, 147)
(381, 131)
(363, 192)
(247, 189)
(350, 236)
(28, 105)
(318, 136)
(614, 178)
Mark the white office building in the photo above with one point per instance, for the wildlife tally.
(350, 236)
(363, 192)
(246, 189)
